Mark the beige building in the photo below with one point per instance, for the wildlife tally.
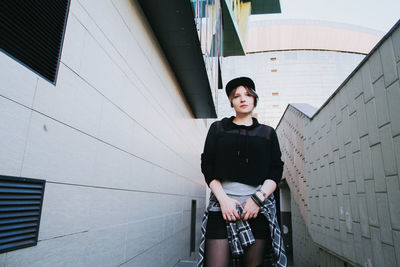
(296, 61)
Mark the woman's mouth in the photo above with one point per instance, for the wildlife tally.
(243, 106)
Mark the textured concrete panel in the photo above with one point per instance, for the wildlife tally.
(384, 218)
(14, 125)
(348, 215)
(356, 86)
(74, 150)
(366, 82)
(355, 136)
(389, 159)
(106, 246)
(394, 200)
(344, 175)
(358, 172)
(74, 41)
(358, 251)
(68, 250)
(377, 251)
(396, 237)
(142, 235)
(389, 255)
(388, 62)
(393, 94)
(371, 203)
(18, 83)
(375, 66)
(72, 101)
(377, 166)
(3, 259)
(363, 212)
(381, 102)
(396, 44)
(150, 257)
(349, 163)
(361, 116)
(373, 135)
(367, 251)
(396, 143)
(65, 211)
(354, 202)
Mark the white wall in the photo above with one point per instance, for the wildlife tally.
(114, 139)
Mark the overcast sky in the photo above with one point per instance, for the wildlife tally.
(379, 15)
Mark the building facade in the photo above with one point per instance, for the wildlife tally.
(114, 129)
(296, 61)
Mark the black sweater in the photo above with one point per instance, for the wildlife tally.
(245, 154)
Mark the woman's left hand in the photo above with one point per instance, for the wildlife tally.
(250, 210)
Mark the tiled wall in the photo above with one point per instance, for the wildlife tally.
(290, 131)
(352, 163)
(291, 141)
(114, 139)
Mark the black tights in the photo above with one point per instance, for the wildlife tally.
(217, 253)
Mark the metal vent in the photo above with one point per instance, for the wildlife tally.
(20, 208)
(33, 31)
(193, 226)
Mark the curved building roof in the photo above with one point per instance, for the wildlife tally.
(275, 35)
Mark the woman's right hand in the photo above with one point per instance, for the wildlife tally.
(228, 209)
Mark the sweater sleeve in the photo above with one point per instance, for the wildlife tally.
(208, 155)
(276, 167)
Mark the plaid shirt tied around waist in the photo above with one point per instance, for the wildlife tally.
(240, 235)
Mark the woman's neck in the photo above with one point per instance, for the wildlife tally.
(243, 119)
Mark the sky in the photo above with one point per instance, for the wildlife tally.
(378, 15)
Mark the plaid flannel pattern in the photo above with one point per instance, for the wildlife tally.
(269, 211)
(243, 235)
(239, 235)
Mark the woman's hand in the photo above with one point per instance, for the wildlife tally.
(250, 210)
(228, 209)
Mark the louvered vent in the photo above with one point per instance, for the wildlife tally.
(33, 31)
(20, 208)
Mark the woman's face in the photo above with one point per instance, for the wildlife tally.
(242, 101)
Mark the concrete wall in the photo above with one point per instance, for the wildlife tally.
(352, 163)
(291, 138)
(114, 139)
(306, 252)
(352, 151)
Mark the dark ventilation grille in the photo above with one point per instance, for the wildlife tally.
(20, 208)
(33, 31)
(193, 226)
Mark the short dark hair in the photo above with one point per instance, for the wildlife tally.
(249, 90)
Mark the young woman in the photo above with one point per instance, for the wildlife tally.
(242, 165)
